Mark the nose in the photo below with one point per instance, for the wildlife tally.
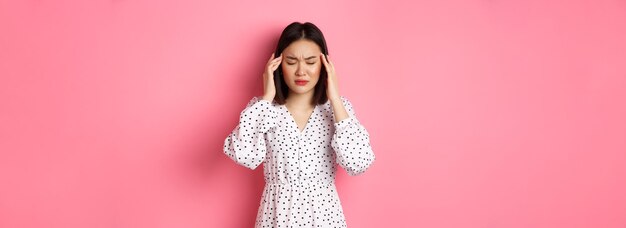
(300, 71)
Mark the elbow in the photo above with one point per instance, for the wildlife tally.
(250, 164)
(249, 157)
(360, 165)
(361, 168)
(244, 155)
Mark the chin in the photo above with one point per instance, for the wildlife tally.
(302, 91)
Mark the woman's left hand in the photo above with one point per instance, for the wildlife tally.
(332, 89)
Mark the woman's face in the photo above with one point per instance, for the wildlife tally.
(301, 66)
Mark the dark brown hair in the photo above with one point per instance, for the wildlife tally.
(294, 32)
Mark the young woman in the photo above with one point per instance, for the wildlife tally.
(300, 129)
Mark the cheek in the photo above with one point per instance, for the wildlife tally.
(287, 71)
(315, 69)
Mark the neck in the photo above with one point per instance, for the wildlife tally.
(298, 100)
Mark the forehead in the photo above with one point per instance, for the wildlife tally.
(302, 47)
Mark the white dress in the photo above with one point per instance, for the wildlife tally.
(299, 167)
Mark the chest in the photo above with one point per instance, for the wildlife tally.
(301, 118)
(300, 132)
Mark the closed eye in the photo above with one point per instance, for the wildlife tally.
(292, 63)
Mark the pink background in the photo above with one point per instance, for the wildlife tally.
(481, 113)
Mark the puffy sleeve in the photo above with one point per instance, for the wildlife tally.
(351, 143)
(246, 143)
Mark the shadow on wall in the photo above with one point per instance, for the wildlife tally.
(206, 164)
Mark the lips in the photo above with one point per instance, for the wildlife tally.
(301, 82)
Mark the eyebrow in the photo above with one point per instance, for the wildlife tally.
(307, 58)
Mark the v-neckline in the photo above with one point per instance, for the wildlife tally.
(293, 120)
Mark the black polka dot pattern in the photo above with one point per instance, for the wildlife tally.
(299, 166)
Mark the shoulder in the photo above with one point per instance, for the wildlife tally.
(348, 105)
(256, 99)
(345, 100)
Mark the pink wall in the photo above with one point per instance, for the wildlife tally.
(482, 113)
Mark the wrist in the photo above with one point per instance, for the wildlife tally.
(335, 99)
(267, 98)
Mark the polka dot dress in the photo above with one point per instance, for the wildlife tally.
(299, 166)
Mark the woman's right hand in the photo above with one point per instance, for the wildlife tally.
(269, 89)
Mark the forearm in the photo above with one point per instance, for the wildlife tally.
(339, 109)
(267, 98)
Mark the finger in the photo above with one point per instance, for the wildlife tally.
(329, 62)
(324, 61)
(278, 59)
(269, 61)
(329, 66)
(275, 65)
(276, 62)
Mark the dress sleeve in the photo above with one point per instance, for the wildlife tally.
(351, 143)
(246, 143)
